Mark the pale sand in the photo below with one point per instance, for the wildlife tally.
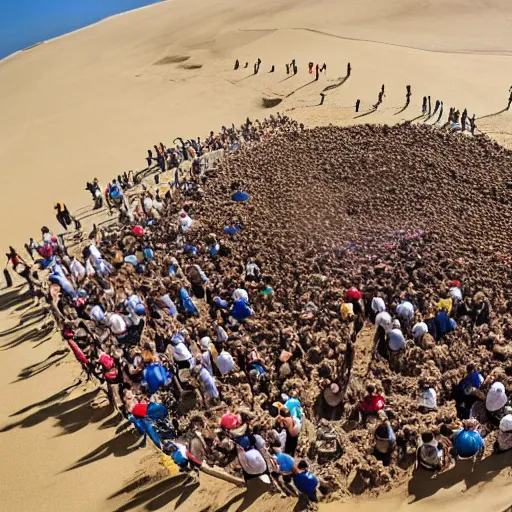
(90, 104)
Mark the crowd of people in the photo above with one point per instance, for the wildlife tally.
(154, 310)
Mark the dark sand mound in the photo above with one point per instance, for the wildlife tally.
(398, 211)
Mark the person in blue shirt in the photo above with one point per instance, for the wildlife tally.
(467, 442)
(305, 481)
(444, 324)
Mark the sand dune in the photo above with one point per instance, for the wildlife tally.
(90, 104)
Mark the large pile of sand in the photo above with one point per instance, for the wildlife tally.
(92, 102)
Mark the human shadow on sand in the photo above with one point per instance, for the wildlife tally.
(37, 368)
(14, 297)
(335, 86)
(33, 335)
(118, 446)
(421, 486)
(159, 494)
(71, 415)
(299, 88)
(492, 115)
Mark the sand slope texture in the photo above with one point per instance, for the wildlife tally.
(90, 104)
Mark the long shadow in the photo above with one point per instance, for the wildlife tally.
(14, 298)
(46, 401)
(118, 446)
(163, 491)
(415, 119)
(371, 111)
(403, 109)
(36, 313)
(16, 328)
(92, 214)
(335, 86)
(37, 368)
(246, 77)
(71, 414)
(421, 486)
(287, 78)
(492, 115)
(299, 88)
(34, 334)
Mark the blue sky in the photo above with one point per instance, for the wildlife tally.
(26, 22)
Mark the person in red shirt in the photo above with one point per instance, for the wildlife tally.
(372, 403)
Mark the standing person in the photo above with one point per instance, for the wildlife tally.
(305, 481)
(292, 427)
(472, 124)
(255, 68)
(273, 68)
(322, 98)
(317, 72)
(463, 119)
(310, 68)
(382, 89)
(429, 106)
(237, 64)
(19, 265)
(436, 108)
(509, 101)
(440, 113)
(287, 69)
(63, 215)
(358, 103)
(149, 158)
(408, 90)
(324, 68)
(450, 114)
(259, 63)
(424, 106)
(349, 69)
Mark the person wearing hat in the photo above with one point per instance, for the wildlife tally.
(427, 400)
(206, 357)
(496, 403)
(354, 297)
(405, 313)
(185, 221)
(504, 440)
(180, 352)
(422, 337)
(396, 340)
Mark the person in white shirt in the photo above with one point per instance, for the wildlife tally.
(185, 221)
(225, 362)
(427, 400)
(181, 354)
(396, 337)
(405, 312)
(206, 355)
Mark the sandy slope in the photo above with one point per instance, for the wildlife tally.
(90, 103)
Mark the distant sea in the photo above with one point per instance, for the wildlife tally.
(24, 23)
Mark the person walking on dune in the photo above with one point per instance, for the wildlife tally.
(358, 103)
(349, 69)
(63, 215)
(317, 72)
(509, 101)
(237, 64)
(424, 106)
(436, 108)
(287, 69)
(429, 106)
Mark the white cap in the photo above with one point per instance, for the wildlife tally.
(378, 305)
(419, 329)
(205, 342)
(506, 423)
